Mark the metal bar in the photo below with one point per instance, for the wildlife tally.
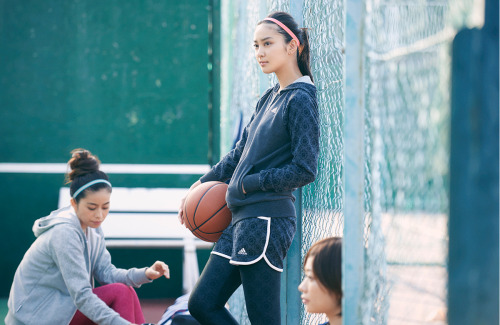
(214, 105)
(441, 37)
(353, 248)
(62, 168)
(294, 269)
(293, 266)
(263, 78)
(226, 80)
(297, 11)
(160, 242)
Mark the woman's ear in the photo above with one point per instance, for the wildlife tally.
(292, 46)
(73, 203)
(339, 299)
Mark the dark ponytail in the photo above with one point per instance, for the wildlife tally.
(84, 169)
(303, 55)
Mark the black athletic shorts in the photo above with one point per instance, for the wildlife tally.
(251, 239)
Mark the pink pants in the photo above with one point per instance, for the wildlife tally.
(120, 298)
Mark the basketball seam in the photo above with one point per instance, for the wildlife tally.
(198, 204)
(193, 226)
(198, 227)
(201, 236)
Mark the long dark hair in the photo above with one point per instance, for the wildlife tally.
(327, 263)
(84, 169)
(303, 56)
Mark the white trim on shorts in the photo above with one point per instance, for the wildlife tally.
(263, 255)
(220, 254)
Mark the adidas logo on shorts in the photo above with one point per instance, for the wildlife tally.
(242, 252)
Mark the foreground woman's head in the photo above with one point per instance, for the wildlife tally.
(322, 285)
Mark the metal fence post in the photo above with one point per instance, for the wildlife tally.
(290, 295)
(473, 277)
(353, 247)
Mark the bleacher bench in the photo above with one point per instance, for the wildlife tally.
(147, 217)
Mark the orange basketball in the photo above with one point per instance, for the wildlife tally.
(205, 211)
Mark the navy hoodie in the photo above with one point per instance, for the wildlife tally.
(277, 153)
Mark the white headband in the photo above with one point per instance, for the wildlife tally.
(95, 181)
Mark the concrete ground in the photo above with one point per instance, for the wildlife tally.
(153, 309)
(418, 295)
(416, 249)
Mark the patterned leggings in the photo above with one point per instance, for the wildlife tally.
(219, 280)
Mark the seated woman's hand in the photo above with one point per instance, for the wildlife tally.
(158, 269)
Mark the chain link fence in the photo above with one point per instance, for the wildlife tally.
(406, 76)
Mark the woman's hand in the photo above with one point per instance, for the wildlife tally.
(157, 270)
(180, 214)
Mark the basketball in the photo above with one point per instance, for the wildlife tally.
(205, 211)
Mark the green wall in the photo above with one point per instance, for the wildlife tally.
(126, 79)
(132, 81)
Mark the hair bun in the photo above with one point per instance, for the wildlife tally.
(82, 162)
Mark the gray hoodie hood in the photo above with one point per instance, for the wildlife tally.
(63, 215)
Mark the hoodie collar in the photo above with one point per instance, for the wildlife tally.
(64, 215)
(304, 79)
(303, 82)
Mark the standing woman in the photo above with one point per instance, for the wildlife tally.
(277, 153)
(322, 285)
(54, 282)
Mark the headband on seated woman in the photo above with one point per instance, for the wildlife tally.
(84, 187)
(279, 23)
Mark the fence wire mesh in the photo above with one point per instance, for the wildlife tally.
(406, 78)
(407, 69)
(322, 200)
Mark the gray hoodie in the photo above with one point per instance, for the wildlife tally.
(55, 277)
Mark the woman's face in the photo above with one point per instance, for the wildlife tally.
(93, 208)
(271, 51)
(315, 297)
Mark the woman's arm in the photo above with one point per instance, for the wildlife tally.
(226, 166)
(302, 122)
(224, 169)
(67, 250)
(105, 272)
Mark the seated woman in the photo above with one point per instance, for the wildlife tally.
(54, 282)
(322, 285)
